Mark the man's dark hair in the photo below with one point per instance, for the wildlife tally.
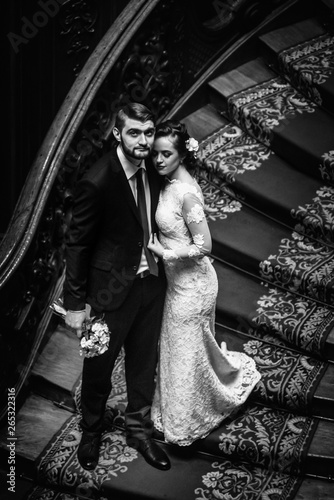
(135, 111)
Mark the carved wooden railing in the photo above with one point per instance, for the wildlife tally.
(153, 53)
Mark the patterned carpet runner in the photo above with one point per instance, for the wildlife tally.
(309, 67)
(288, 378)
(265, 436)
(122, 471)
(257, 437)
(250, 172)
(279, 116)
(316, 217)
(272, 314)
(300, 321)
(298, 258)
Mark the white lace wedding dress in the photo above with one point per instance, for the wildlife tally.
(199, 384)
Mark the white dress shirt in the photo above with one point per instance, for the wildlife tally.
(130, 171)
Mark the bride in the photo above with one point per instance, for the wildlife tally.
(199, 384)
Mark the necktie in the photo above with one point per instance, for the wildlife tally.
(141, 201)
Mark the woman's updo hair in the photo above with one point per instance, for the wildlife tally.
(179, 135)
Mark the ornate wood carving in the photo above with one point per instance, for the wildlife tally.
(78, 19)
(142, 74)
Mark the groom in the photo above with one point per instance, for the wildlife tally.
(109, 267)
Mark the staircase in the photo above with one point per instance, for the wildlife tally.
(267, 138)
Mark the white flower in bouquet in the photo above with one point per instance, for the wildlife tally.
(96, 335)
(95, 340)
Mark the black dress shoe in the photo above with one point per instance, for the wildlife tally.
(88, 450)
(153, 454)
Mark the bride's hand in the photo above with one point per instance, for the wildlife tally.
(154, 245)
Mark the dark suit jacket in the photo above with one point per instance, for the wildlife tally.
(105, 237)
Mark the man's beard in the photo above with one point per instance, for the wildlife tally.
(136, 153)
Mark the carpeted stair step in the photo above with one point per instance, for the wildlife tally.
(276, 440)
(291, 35)
(245, 237)
(259, 177)
(268, 437)
(305, 56)
(245, 76)
(203, 122)
(37, 421)
(302, 265)
(252, 241)
(297, 431)
(272, 314)
(316, 217)
(58, 367)
(310, 68)
(223, 478)
(123, 473)
(277, 115)
(290, 380)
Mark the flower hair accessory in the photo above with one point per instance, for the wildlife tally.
(192, 145)
(96, 335)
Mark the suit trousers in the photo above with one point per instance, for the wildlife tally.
(136, 325)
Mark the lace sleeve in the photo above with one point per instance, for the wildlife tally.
(194, 217)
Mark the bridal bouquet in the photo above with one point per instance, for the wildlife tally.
(96, 334)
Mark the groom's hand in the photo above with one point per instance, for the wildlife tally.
(75, 320)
